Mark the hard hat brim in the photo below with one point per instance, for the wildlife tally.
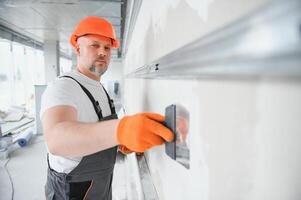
(73, 40)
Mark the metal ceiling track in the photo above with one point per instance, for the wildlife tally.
(24, 3)
(266, 43)
(14, 36)
(132, 11)
(123, 14)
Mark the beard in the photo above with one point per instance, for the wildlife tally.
(100, 70)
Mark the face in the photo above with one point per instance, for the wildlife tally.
(93, 54)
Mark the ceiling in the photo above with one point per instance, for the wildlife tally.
(56, 19)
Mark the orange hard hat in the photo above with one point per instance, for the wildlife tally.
(94, 25)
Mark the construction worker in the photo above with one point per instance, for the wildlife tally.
(80, 124)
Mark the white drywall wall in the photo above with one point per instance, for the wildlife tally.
(244, 135)
(165, 25)
(114, 72)
(113, 75)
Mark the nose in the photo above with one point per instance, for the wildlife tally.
(102, 52)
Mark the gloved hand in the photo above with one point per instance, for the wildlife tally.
(142, 131)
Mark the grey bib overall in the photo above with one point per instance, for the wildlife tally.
(92, 178)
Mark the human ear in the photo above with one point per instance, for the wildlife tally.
(77, 49)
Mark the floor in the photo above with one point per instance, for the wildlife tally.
(23, 174)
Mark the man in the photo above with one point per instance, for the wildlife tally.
(80, 125)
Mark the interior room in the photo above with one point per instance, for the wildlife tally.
(207, 94)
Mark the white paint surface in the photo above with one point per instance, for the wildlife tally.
(245, 135)
(114, 72)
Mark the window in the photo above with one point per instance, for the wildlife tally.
(5, 73)
(21, 67)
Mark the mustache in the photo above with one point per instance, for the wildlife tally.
(100, 59)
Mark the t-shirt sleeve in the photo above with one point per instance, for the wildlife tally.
(58, 93)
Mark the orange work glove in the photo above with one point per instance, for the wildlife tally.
(142, 131)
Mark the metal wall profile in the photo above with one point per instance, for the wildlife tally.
(266, 43)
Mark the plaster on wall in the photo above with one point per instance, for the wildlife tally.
(232, 121)
(165, 25)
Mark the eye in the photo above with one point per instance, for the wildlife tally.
(95, 45)
(107, 48)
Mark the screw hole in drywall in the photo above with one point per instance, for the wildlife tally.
(157, 68)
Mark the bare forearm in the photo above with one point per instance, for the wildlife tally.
(79, 139)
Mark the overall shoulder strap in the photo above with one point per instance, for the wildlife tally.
(111, 102)
(94, 102)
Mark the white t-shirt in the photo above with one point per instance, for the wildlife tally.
(65, 91)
